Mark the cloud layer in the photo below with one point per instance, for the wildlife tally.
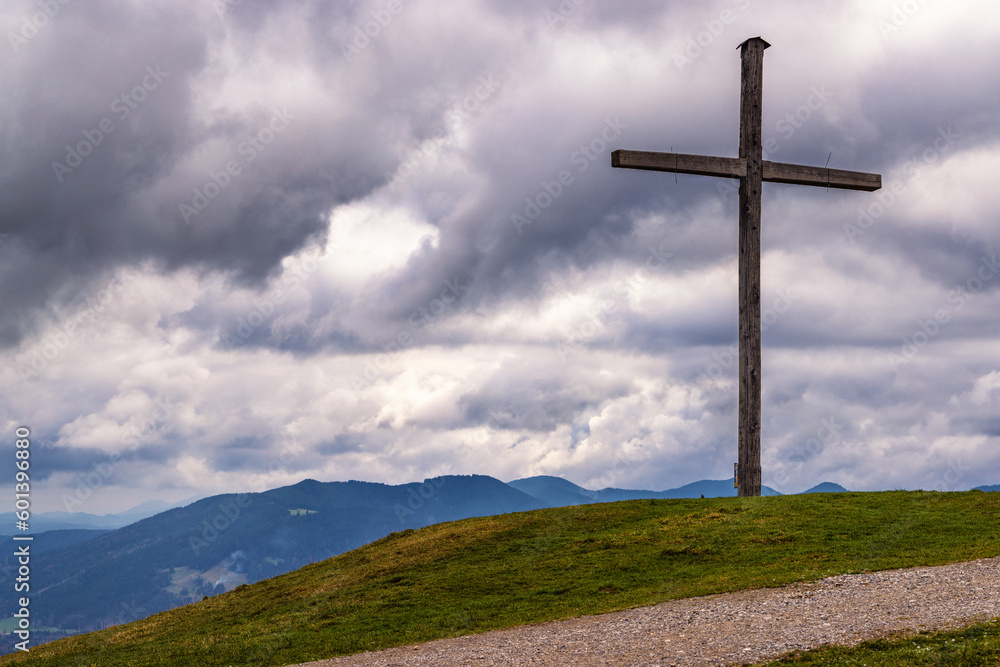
(248, 242)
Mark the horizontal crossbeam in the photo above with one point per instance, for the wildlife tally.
(797, 174)
(733, 167)
(702, 165)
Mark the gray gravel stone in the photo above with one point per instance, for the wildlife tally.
(733, 628)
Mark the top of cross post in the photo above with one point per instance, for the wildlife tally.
(746, 42)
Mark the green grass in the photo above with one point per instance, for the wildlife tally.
(10, 624)
(494, 572)
(975, 646)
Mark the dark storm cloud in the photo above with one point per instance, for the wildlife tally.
(121, 204)
(107, 141)
(70, 221)
(446, 170)
(139, 195)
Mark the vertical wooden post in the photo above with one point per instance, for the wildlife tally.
(751, 169)
(751, 149)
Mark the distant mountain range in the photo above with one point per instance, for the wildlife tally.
(827, 487)
(95, 576)
(546, 488)
(559, 492)
(53, 540)
(44, 521)
(213, 545)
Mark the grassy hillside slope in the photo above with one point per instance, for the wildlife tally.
(493, 572)
(973, 646)
(211, 546)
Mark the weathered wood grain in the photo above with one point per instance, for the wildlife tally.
(752, 170)
(702, 165)
(751, 148)
(797, 174)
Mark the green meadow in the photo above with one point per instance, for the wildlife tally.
(975, 646)
(481, 574)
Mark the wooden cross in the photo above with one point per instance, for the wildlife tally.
(751, 169)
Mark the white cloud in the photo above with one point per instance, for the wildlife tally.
(321, 319)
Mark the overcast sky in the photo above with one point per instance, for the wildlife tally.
(250, 242)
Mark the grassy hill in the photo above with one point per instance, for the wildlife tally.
(213, 545)
(479, 574)
(973, 646)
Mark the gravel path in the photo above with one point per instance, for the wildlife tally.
(739, 628)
